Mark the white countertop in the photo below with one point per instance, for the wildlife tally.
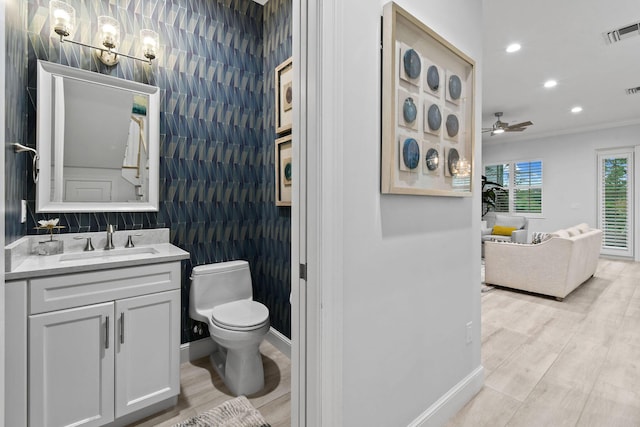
(149, 252)
(39, 266)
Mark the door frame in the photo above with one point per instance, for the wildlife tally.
(317, 222)
(632, 192)
(2, 225)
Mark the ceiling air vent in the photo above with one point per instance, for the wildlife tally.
(633, 90)
(623, 33)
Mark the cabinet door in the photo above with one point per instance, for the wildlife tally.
(71, 367)
(147, 350)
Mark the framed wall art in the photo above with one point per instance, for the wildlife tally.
(428, 120)
(284, 154)
(284, 96)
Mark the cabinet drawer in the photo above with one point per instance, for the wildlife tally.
(74, 290)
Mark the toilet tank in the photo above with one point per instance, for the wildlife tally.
(215, 284)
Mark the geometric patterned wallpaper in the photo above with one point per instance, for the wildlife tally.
(274, 265)
(216, 132)
(15, 111)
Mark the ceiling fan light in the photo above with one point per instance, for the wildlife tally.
(497, 131)
(550, 83)
(513, 47)
(577, 109)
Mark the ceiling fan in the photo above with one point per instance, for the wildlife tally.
(500, 127)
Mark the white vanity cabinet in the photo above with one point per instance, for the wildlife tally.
(103, 346)
(147, 351)
(71, 366)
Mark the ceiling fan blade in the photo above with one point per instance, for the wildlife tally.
(486, 130)
(510, 129)
(520, 125)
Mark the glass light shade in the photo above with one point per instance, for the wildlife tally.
(108, 31)
(150, 43)
(62, 18)
(464, 167)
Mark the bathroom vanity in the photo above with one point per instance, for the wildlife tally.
(93, 338)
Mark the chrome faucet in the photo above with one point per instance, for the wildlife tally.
(110, 230)
(88, 246)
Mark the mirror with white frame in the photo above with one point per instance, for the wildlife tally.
(98, 140)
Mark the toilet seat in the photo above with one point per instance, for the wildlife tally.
(243, 315)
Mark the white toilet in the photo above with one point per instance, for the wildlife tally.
(221, 296)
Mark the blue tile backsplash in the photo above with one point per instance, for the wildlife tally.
(215, 74)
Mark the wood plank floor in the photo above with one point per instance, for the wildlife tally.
(201, 389)
(570, 363)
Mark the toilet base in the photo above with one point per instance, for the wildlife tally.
(242, 372)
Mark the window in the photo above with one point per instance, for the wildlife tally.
(522, 186)
(615, 202)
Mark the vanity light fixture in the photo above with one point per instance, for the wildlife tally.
(62, 18)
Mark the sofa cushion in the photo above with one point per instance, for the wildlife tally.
(510, 221)
(501, 230)
(584, 227)
(574, 231)
(538, 237)
(560, 233)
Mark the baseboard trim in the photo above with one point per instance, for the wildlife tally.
(195, 350)
(279, 341)
(203, 347)
(449, 404)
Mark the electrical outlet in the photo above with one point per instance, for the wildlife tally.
(469, 334)
(23, 212)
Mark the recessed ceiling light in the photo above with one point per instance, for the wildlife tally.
(576, 109)
(513, 47)
(550, 83)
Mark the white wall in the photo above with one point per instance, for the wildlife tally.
(569, 171)
(411, 263)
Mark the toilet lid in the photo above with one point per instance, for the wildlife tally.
(240, 315)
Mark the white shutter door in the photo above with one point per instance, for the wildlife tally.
(615, 202)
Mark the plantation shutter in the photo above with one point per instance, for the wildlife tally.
(528, 187)
(615, 202)
(499, 174)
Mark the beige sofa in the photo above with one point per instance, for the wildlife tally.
(554, 267)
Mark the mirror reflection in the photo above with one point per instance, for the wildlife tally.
(101, 154)
(98, 137)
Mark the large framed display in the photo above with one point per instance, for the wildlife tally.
(284, 171)
(284, 96)
(428, 90)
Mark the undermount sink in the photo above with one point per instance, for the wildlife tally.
(108, 253)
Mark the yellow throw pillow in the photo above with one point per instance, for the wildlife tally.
(500, 230)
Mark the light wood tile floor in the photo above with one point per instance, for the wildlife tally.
(201, 389)
(570, 363)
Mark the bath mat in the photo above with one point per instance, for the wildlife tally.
(237, 412)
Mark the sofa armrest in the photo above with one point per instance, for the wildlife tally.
(486, 231)
(519, 236)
